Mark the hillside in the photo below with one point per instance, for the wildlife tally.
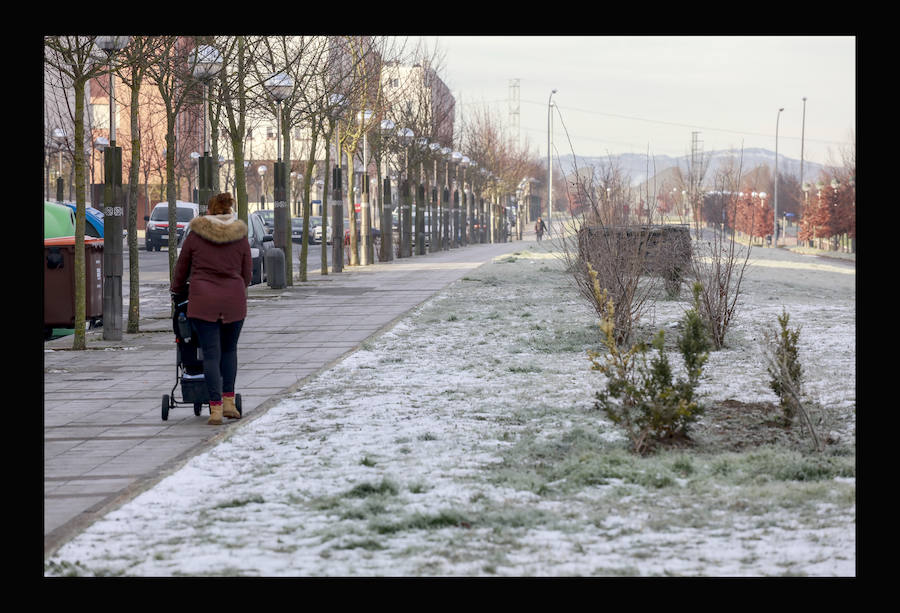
(640, 168)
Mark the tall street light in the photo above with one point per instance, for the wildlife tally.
(367, 254)
(337, 103)
(802, 138)
(113, 211)
(775, 221)
(435, 220)
(387, 130)
(261, 191)
(207, 64)
(279, 86)
(456, 158)
(60, 136)
(466, 225)
(445, 212)
(550, 160)
(405, 136)
(422, 146)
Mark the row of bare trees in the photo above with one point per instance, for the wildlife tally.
(334, 79)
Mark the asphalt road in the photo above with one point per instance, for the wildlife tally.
(153, 266)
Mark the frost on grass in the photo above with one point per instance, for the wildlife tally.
(464, 442)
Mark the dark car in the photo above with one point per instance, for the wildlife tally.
(260, 242)
(157, 233)
(297, 231)
(268, 219)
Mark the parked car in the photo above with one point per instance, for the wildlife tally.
(317, 234)
(157, 232)
(316, 224)
(260, 243)
(268, 218)
(297, 230)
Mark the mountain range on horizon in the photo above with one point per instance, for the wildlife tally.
(640, 169)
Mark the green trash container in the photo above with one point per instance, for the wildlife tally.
(59, 220)
(59, 282)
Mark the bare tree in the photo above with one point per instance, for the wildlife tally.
(301, 59)
(238, 91)
(614, 236)
(132, 71)
(719, 262)
(171, 69)
(484, 140)
(74, 59)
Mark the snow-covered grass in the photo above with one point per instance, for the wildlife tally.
(463, 442)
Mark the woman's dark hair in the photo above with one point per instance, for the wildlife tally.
(220, 204)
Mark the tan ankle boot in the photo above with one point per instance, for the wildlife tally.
(229, 409)
(215, 414)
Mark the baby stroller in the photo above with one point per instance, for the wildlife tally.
(188, 364)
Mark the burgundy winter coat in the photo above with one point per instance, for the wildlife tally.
(215, 258)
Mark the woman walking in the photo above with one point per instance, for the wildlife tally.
(215, 268)
(539, 228)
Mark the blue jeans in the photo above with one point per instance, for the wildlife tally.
(218, 341)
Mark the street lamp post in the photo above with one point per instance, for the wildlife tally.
(806, 186)
(279, 87)
(367, 255)
(100, 144)
(435, 201)
(550, 162)
(60, 136)
(466, 225)
(207, 64)
(456, 158)
(337, 102)
(260, 191)
(113, 212)
(422, 143)
(386, 129)
(445, 212)
(405, 136)
(775, 220)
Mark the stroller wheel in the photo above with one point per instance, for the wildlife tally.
(165, 407)
(237, 403)
(198, 406)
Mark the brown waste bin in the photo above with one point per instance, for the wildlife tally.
(59, 281)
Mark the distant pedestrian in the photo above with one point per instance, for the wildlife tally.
(539, 228)
(215, 268)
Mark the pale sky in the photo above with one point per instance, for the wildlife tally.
(620, 94)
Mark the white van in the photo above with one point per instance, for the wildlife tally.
(157, 232)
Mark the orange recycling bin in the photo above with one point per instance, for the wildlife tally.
(59, 281)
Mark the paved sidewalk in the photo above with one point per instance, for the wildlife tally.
(104, 437)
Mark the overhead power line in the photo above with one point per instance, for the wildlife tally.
(684, 125)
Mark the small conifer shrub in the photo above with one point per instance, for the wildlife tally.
(785, 371)
(641, 395)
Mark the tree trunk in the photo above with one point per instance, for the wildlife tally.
(351, 212)
(79, 336)
(134, 308)
(326, 185)
(307, 207)
(171, 195)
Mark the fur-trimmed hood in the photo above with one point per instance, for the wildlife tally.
(219, 228)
